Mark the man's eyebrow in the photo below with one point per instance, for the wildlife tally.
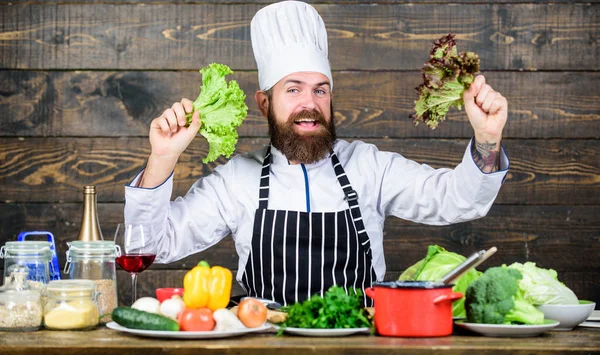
(293, 81)
(298, 82)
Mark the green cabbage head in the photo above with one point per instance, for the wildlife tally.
(541, 286)
(436, 264)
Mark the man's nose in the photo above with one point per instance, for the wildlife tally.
(308, 101)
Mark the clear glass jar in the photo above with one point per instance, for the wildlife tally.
(35, 255)
(71, 305)
(20, 305)
(95, 260)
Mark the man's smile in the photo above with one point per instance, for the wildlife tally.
(306, 124)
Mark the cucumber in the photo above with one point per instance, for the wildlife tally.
(135, 319)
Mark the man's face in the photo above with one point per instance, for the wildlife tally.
(301, 117)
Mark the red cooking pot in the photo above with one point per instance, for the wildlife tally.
(413, 308)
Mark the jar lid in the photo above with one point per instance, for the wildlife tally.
(92, 248)
(70, 287)
(17, 288)
(17, 271)
(32, 249)
(8, 294)
(27, 247)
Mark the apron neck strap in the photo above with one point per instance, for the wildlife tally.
(351, 195)
(263, 195)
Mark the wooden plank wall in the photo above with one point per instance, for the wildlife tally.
(80, 81)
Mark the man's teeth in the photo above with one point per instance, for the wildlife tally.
(305, 122)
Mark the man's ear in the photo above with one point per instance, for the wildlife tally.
(262, 100)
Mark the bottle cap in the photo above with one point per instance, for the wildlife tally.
(89, 189)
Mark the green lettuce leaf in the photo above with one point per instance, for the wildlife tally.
(541, 286)
(446, 76)
(222, 109)
(436, 264)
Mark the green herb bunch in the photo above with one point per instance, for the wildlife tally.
(337, 309)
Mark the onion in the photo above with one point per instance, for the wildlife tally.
(147, 304)
(227, 320)
(172, 307)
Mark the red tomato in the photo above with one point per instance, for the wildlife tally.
(200, 319)
(252, 312)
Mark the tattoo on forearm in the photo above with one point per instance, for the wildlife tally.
(485, 156)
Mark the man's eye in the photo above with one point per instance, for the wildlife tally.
(320, 91)
(293, 90)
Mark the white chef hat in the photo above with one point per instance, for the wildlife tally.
(288, 37)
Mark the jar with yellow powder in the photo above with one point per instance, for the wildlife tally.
(95, 260)
(71, 305)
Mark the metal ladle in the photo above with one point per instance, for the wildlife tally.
(472, 261)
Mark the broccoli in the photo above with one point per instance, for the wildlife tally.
(495, 298)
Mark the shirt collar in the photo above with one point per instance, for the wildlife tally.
(277, 158)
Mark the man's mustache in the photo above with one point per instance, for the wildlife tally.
(310, 114)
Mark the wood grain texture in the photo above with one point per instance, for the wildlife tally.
(104, 340)
(80, 81)
(55, 169)
(387, 36)
(118, 104)
(266, 2)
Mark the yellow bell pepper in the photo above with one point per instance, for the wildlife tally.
(205, 286)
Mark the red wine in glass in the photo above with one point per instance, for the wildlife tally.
(134, 250)
(135, 262)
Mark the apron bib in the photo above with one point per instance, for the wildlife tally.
(296, 254)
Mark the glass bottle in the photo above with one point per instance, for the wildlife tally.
(96, 261)
(71, 305)
(90, 226)
(20, 304)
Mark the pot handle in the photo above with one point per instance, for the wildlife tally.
(370, 292)
(452, 296)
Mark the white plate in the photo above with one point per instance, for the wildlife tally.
(595, 316)
(337, 332)
(213, 334)
(589, 324)
(508, 330)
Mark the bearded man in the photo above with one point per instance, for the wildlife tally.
(307, 211)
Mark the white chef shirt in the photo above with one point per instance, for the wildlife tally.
(387, 184)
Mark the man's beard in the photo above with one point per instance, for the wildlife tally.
(305, 148)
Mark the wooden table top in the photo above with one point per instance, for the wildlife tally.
(107, 341)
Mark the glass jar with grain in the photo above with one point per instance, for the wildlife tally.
(95, 260)
(71, 305)
(20, 304)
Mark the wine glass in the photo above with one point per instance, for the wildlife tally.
(135, 255)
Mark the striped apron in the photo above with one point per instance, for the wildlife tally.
(295, 254)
